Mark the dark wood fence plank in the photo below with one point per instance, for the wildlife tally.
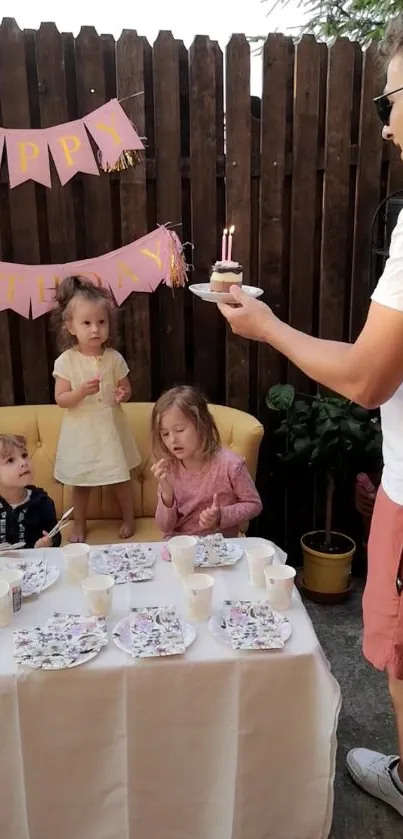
(91, 95)
(23, 209)
(277, 55)
(238, 184)
(133, 208)
(334, 258)
(169, 199)
(207, 321)
(53, 111)
(367, 192)
(304, 188)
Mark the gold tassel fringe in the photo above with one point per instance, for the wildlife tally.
(127, 160)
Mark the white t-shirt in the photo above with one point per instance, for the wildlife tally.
(389, 292)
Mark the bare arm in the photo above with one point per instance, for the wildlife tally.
(368, 371)
(66, 397)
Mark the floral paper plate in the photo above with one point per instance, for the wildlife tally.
(37, 575)
(274, 636)
(126, 564)
(214, 551)
(122, 635)
(65, 641)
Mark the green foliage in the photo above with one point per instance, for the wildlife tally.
(327, 432)
(359, 20)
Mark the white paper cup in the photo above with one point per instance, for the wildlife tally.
(198, 596)
(98, 590)
(279, 585)
(14, 577)
(259, 557)
(182, 550)
(6, 606)
(76, 560)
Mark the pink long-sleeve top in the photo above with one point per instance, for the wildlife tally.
(224, 474)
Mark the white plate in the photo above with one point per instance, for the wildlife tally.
(220, 633)
(82, 659)
(234, 554)
(202, 290)
(52, 574)
(122, 636)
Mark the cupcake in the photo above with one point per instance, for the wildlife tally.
(224, 274)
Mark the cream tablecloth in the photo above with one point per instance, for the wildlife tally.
(212, 745)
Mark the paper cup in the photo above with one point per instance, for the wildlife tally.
(98, 590)
(259, 557)
(14, 578)
(198, 596)
(279, 585)
(76, 560)
(183, 554)
(6, 606)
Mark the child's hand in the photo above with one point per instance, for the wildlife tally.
(89, 388)
(210, 517)
(122, 394)
(160, 471)
(44, 542)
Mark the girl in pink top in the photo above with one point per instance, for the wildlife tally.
(202, 487)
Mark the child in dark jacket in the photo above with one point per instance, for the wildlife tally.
(27, 514)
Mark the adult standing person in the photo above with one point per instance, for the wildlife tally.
(370, 372)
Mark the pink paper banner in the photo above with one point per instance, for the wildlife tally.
(112, 131)
(71, 150)
(140, 266)
(27, 156)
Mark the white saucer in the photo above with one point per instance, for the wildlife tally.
(202, 290)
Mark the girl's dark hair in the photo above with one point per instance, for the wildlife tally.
(69, 289)
(194, 406)
(392, 41)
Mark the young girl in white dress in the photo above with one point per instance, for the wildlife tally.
(96, 446)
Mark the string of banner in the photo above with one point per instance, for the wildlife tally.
(140, 266)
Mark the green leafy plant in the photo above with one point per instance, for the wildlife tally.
(331, 434)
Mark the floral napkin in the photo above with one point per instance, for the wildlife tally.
(34, 574)
(252, 626)
(214, 550)
(156, 631)
(129, 564)
(64, 640)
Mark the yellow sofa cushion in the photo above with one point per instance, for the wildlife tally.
(40, 424)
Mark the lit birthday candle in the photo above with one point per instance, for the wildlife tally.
(231, 233)
(224, 244)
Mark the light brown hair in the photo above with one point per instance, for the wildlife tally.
(195, 408)
(392, 41)
(72, 288)
(9, 442)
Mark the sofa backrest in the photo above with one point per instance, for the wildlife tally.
(40, 424)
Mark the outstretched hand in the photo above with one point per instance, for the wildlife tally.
(250, 317)
(210, 517)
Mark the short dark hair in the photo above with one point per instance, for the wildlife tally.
(392, 41)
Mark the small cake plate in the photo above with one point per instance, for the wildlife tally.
(202, 290)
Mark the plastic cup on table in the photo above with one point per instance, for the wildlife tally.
(76, 561)
(6, 606)
(198, 596)
(182, 550)
(98, 591)
(259, 557)
(14, 578)
(279, 586)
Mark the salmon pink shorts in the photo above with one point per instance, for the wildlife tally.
(383, 600)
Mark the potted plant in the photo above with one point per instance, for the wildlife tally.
(336, 437)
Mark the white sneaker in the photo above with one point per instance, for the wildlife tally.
(372, 772)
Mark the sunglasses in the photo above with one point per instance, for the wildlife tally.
(384, 106)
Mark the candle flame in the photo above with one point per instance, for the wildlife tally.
(225, 231)
(231, 230)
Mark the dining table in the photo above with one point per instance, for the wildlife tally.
(215, 743)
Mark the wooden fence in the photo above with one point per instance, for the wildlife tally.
(299, 177)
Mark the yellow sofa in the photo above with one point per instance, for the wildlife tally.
(41, 426)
